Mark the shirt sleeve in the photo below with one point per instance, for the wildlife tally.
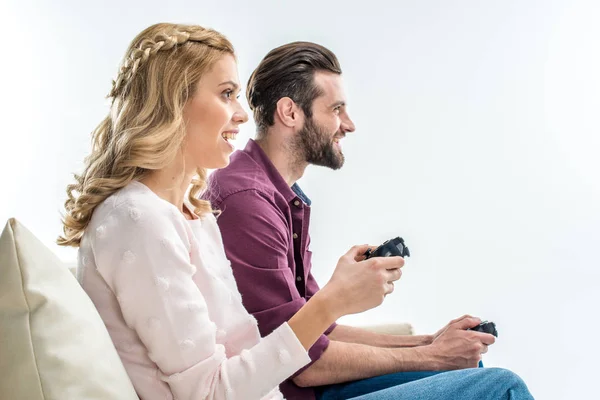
(256, 239)
(144, 257)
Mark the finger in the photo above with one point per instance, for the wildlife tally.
(469, 322)
(389, 288)
(357, 251)
(362, 255)
(393, 262)
(359, 258)
(460, 318)
(486, 338)
(393, 274)
(484, 349)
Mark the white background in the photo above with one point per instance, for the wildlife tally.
(477, 141)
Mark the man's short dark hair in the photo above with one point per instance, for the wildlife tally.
(288, 71)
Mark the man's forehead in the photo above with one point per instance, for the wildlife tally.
(331, 85)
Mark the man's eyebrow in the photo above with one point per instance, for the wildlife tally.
(232, 83)
(338, 104)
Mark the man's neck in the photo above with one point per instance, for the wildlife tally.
(284, 159)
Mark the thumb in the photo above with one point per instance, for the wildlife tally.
(467, 323)
(357, 250)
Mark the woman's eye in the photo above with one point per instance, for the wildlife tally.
(228, 94)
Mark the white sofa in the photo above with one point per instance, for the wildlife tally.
(53, 344)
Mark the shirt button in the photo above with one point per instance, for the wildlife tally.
(297, 203)
(298, 278)
(295, 235)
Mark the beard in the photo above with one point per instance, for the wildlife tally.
(316, 144)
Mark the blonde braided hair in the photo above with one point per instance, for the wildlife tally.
(144, 130)
(140, 54)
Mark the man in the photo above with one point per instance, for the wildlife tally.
(296, 94)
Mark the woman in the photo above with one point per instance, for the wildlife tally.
(153, 262)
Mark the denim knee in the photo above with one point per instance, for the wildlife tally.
(508, 378)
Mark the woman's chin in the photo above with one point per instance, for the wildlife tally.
(224, 163)
(220, 159)
(218, 164)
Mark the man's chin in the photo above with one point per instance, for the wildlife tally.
(331, 164)
(339, 165)
(339, 161)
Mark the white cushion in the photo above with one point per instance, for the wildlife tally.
(402, 328)
(53, 343)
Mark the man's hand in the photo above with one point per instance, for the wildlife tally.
(357, 284)
(438, 333)
(454, 347)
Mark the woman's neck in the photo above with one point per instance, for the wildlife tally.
(170, 186)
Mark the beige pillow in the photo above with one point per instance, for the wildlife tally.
(53, 344)
(401, 328)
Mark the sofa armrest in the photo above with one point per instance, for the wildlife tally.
(402, 328)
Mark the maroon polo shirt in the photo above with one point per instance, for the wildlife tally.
(264, 224)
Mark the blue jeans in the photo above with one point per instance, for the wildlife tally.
(464, 384)
(490, 383)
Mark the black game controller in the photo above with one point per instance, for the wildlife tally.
(485, 327)
(389, 248)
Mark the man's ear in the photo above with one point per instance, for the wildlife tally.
(288, 112)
